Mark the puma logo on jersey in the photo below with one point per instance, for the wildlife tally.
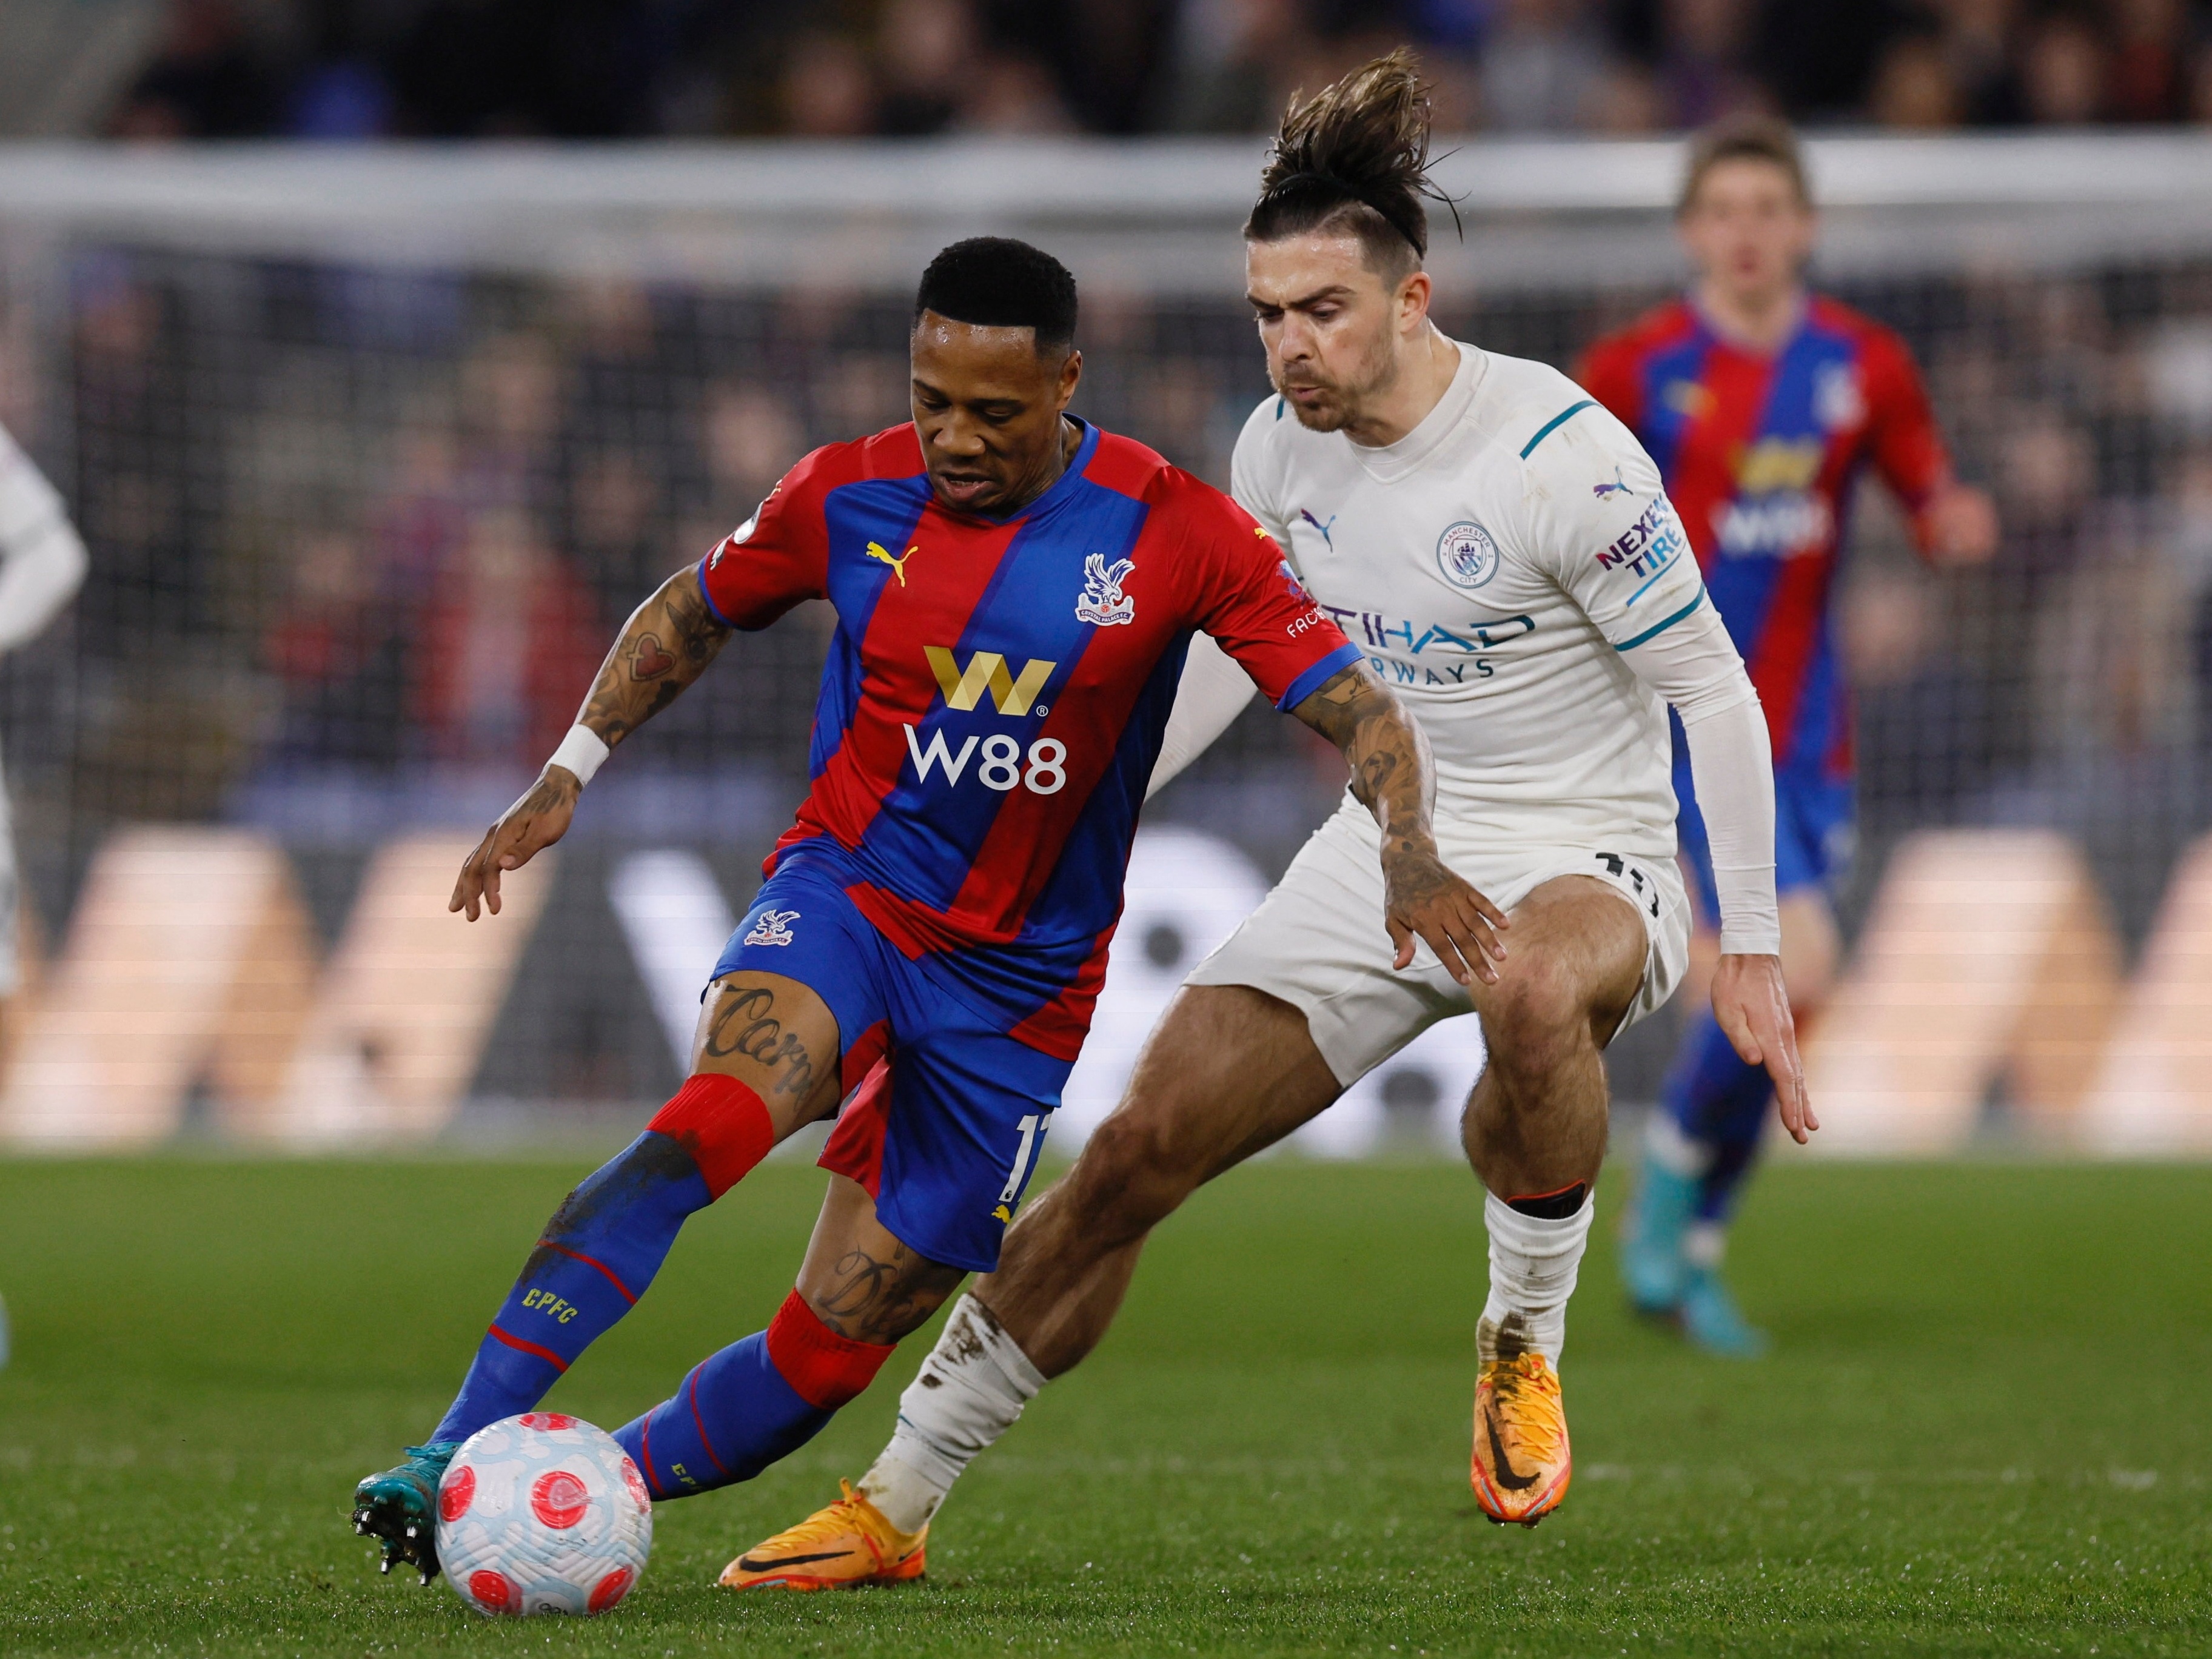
(1616, 488)
(883, 555)
(1323, 528)
(986, 670)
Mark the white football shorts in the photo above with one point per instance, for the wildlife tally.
(1317, 941)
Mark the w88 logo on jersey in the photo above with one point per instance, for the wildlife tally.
(1000, 764)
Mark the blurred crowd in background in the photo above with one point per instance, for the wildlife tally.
(363, 68)
(355, 535)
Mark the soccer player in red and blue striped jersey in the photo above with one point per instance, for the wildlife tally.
(1015, 592)
(1763, 404)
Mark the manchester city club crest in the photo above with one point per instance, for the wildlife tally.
(1466, 554)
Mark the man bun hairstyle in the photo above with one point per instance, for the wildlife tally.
(1744, 138)
(995, 282)
(1354, 158)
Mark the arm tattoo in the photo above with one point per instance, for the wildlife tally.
(647, 660)
(545, 795)
(1387, 751)
(665, 644)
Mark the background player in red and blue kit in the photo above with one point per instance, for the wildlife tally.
(1763, 404)
(1015, 592)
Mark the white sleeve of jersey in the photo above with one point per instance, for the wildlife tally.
(42, 562)
(1213, 689)
(1253, 474)
(1601, 522)
(1211, 693)
(1732, 765)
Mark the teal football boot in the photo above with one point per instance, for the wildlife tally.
(1651, 1267)
(399, 1508)
(1711, 1320)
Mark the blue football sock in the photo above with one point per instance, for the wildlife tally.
(756, 1400)
(1725, 1176)
(733, 1416)
(598, 1252)
(1719, 1102)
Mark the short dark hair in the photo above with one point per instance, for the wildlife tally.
(1744, 138)
(995, 282)
(1354, 159)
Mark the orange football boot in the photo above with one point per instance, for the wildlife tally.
(1521, 1463)
(845, 1544)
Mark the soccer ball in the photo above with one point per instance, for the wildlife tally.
(542, 1513)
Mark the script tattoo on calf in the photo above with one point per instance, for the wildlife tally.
(746, 1024)
(876, 1300)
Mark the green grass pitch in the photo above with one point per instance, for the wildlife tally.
(1987, 1428)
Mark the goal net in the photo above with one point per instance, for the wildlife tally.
(373, 450)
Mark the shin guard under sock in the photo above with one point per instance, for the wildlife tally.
(754, 1402)
(605, 1243)
(1719, 1102)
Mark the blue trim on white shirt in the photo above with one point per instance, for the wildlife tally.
(1555, 422)
(1658, 628)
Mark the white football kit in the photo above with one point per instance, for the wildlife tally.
(1513, 569)
(42, 564)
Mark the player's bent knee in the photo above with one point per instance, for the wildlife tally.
(1537, 1015)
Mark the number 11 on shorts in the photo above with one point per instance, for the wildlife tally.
(1032, 1128)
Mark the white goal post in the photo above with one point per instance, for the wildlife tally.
(1155, 215)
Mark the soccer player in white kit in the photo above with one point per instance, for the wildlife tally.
(42, 565)
(1502, 548)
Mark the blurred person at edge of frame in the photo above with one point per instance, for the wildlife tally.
(42, 565)
(1763, 403)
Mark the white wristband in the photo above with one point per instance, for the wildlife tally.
(583, 751)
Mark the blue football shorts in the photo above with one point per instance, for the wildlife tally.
(946, 1139)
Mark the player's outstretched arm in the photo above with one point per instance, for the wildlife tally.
(1692, 663)
(665, 644)
(1393, 777)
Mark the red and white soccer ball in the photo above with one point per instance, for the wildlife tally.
(542, 1513)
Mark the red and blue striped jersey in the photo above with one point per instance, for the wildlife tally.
(996, 691)
(1760, 455)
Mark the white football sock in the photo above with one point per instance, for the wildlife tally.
(1666, 1145)
(968, 1391)
(1703, 1244)
(1533, 1264)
